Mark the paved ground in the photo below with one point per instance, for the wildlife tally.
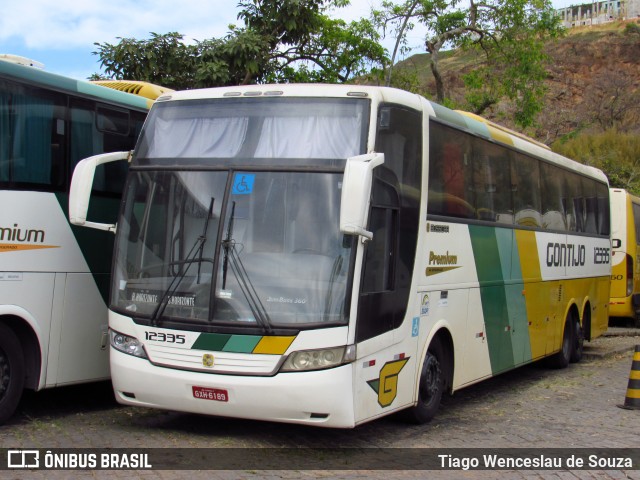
(529, 407)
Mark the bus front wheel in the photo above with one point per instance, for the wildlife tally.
(12, 371)
(432, 384)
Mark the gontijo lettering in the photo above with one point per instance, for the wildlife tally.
(565, 255)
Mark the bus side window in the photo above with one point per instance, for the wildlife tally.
(31, 136)
(553, 215)
(525, 185)
(492, 185)
(448, 171)
(604, 221)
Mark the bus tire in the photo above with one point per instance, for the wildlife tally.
(577, 347)
(562, 358)
(12, 372)
(431, 384)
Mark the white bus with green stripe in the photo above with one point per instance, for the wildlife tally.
(54, 278)
(328, 255)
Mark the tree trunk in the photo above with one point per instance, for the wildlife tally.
(436, 75)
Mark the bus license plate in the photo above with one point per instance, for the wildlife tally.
(216, 394)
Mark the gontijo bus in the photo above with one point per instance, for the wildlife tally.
(625, 258)
(328, 255)
(54, 278)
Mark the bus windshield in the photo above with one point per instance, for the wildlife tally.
(278, 258)
(231, 213)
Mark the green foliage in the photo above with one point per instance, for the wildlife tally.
(509, 33)
(632, 29)
(281, 40)
(516, 58)
(616, 153)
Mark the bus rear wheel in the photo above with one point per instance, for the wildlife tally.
(577, 347)
(432, 384)
(12, 372)
(562, 358)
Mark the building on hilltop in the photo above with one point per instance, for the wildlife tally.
(594, 13)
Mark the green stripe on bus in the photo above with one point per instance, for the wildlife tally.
(217, 342)
(516, 302)
(212, 341)
(493, 296)
(242, 343)
(503, 305)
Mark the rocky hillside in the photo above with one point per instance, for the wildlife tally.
(593, 82)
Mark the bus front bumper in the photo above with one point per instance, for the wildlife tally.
(322, 398)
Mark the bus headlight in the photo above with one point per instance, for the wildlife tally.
(306, 360)
(126, 344)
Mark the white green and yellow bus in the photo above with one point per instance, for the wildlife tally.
(625, 259)
(328, 255)
(54, 277)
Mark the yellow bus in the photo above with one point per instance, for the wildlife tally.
(625, 264)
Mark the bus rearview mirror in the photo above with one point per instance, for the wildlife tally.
(356, 193)
(81, 184)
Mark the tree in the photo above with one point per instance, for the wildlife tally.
(616, 153)
(281, 40)
(510, 33)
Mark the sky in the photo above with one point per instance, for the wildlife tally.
(61, 33)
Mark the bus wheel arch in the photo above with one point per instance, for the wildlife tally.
(436, 377)
(562, 358)
(19, 363)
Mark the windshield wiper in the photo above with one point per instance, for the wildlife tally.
(247, 288)
(197, 247)
(226, 244)
(204, 237)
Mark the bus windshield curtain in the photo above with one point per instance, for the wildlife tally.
(197, 137)
(309, 137)
(278, 137)
(26, 131)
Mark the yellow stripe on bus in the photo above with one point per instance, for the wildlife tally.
(273, 345)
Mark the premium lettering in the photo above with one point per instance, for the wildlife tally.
(445, 259)
(16, 234)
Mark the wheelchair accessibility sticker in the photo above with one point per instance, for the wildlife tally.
(243, 183)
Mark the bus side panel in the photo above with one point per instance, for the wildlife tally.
(37, 252)
(384, 379)
(29, 295)
(84, 333)
(503, 305)
(578, 268)
(451, 298)
(537, 295)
